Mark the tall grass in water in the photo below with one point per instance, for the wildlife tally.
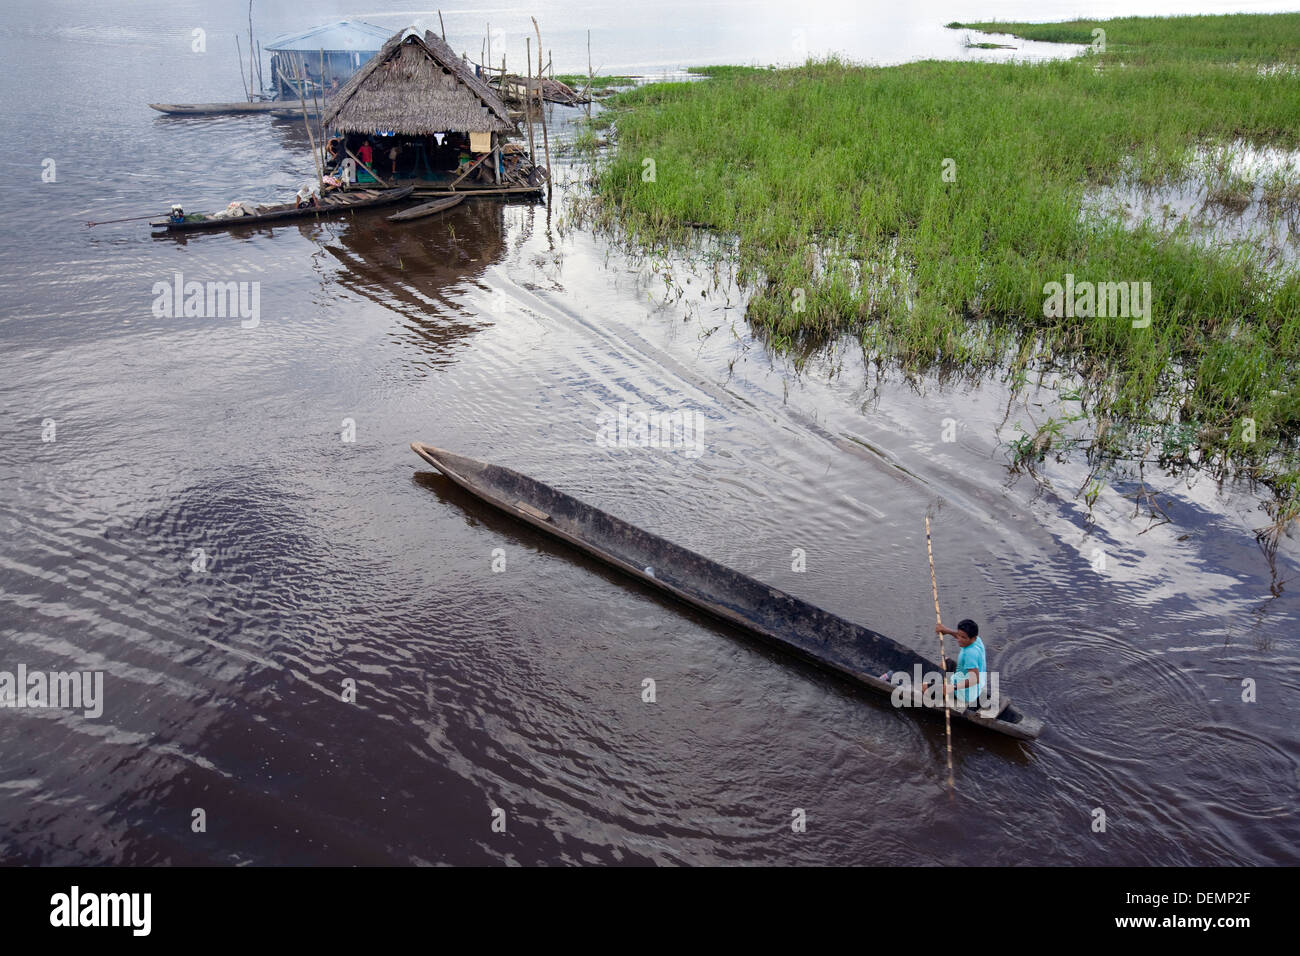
(924, 207)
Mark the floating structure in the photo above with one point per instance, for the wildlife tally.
(418, 114)
(514, 89)
(854, 652)
(321, 60)
(306, 66)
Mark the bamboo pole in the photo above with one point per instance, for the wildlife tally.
(591, 79)
(528, 99)
(442, 26)
(250, 49)
(315, 156)
(319, 103)
(943, 663)
(541, 106)
(241, 68)
(378, 178)
(470, 168)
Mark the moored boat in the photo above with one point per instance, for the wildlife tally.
(850, 650)
(330, 204)
(426, 209)
(260, 106)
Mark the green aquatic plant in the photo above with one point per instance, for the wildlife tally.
(925, 208)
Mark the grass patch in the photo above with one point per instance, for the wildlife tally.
(728, 72)
(1236, 37)
(924, 207)
(599, 84)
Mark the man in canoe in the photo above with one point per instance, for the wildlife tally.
(968, 678)
(969, 673)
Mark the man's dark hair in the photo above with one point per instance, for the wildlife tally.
(970, 627)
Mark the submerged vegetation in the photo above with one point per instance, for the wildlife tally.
(599, 84)
(927, 208)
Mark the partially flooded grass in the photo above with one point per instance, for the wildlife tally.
(925, 208)
(598, 84)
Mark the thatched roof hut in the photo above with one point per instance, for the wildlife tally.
(417, 86)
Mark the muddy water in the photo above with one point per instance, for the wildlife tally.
(502, 332)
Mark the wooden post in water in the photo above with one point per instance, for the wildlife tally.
(943, 663)
(541, 106)
(320, 176)
(238, 53)
(528, 98)
(591, 80)
(250, 50)
(319, 103)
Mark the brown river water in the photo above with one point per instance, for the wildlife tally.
(503, 332)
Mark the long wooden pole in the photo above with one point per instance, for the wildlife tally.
(247, 95)
(378, 178)
(471, 167)
(250, 48)
(320, 175)
(319, 103)
(541, 106)
(528, 98)
(943, 663)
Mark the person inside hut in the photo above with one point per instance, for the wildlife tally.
(393, 152)
(366, 154)
(334, 153)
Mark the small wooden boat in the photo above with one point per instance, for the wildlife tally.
(426, 209)
(212, 109)
(850, 650)
(330, 204)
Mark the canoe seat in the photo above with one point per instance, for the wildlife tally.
(528, 509)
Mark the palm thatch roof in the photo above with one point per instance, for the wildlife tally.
(417, 85)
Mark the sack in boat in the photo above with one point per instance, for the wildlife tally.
(235, 210)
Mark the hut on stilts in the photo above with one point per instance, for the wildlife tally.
(416, 114)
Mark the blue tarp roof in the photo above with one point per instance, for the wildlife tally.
(349, 35)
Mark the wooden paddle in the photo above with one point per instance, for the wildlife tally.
(943, 663)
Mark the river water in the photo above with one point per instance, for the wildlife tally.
(304, 637)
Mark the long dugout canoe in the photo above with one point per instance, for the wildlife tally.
(213, 109)
(850, 650)
(329, 205)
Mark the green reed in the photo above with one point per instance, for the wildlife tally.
(922, 208)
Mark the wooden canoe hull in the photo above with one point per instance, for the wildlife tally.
(331, 205)
(211, 109)
(851, 650)
(426, 209)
